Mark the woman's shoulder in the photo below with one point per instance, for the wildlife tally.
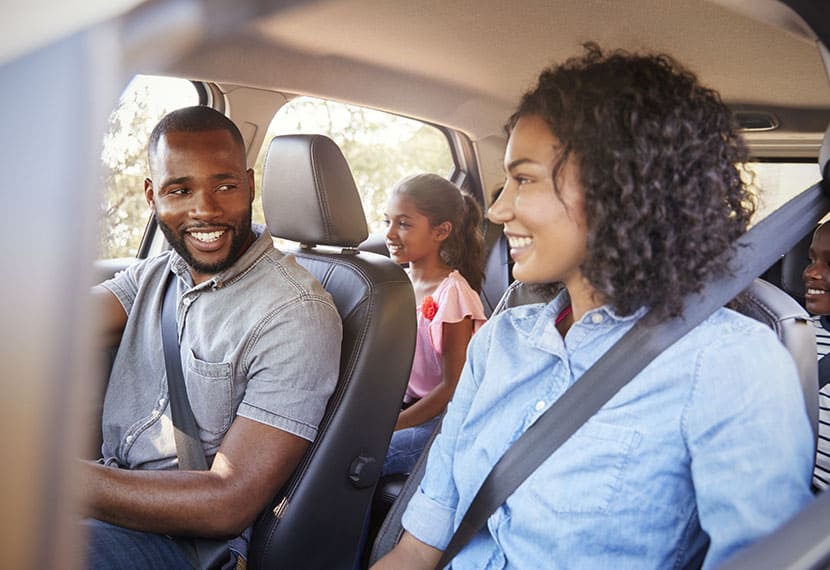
(730, 337)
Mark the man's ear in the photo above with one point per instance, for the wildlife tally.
(251, 183)
(148, 194)
(442, 231)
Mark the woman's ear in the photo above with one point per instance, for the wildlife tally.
(442, 231)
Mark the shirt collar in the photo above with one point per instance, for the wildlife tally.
(262, 244)
(541, 330)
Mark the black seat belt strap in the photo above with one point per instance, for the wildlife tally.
(754, 252)
(204, 553)
(188, 445)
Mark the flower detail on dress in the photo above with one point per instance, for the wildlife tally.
(429, 307)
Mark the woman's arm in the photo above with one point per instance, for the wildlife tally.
(455, 337)
(409, 554)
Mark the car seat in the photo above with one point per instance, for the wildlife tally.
(317, 519)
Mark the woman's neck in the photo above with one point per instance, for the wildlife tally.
(583, 299)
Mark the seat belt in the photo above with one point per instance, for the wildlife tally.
(754, 252)
(206, 554)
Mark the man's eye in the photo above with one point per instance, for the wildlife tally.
(226, 187)
(179, 192)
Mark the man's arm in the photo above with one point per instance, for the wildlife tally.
(253, 462)
(112, 318)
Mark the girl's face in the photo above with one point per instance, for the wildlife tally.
(409, 235)
(546, 231)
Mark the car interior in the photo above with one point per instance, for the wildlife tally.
(457, 66)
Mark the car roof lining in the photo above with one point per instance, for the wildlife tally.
(461, 76)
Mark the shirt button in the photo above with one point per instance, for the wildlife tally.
(540, 405)
(186, 301)
(162, 402)
(597, 318)
(129, 439)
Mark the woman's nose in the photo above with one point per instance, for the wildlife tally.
(501, 210)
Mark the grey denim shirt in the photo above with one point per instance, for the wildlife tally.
(260, 340)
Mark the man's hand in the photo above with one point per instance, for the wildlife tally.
(254, 461)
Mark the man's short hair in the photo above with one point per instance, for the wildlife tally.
(194, 119)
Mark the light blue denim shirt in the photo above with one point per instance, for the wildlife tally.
(710, 440)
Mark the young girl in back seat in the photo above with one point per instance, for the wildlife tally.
(435, 228)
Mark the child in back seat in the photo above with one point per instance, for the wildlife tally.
(436, 229)
(817, 300)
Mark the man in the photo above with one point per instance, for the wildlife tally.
(247, 317)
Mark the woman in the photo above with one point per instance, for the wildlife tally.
(623, 184)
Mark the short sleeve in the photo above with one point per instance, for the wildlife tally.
(126, 283)
(456, 301)
(292, 367)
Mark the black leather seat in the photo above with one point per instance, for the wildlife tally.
(317, 519)
(761, 301)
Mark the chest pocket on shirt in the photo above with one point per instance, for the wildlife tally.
(587, 473)
(209, 389)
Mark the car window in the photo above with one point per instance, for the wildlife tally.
(381, 148)
(124, 212)
(777, 182)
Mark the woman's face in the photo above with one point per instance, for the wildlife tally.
(546, 231)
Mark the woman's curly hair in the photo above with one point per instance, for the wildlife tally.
(660, 164)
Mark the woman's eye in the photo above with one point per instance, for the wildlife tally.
(386, 223)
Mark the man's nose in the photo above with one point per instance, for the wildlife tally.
(205, 205)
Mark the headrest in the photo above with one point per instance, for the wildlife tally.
(308, 193)
(824, 155)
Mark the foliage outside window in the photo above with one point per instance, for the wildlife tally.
(777, 182)
(380, 148)
(124, 211)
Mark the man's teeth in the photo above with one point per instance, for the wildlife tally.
(816, 292)
(207, 237)
(519, 242)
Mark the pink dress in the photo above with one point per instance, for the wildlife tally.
(455, 300)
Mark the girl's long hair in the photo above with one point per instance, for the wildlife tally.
(442, 201)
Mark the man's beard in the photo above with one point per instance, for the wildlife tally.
(238, 243)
